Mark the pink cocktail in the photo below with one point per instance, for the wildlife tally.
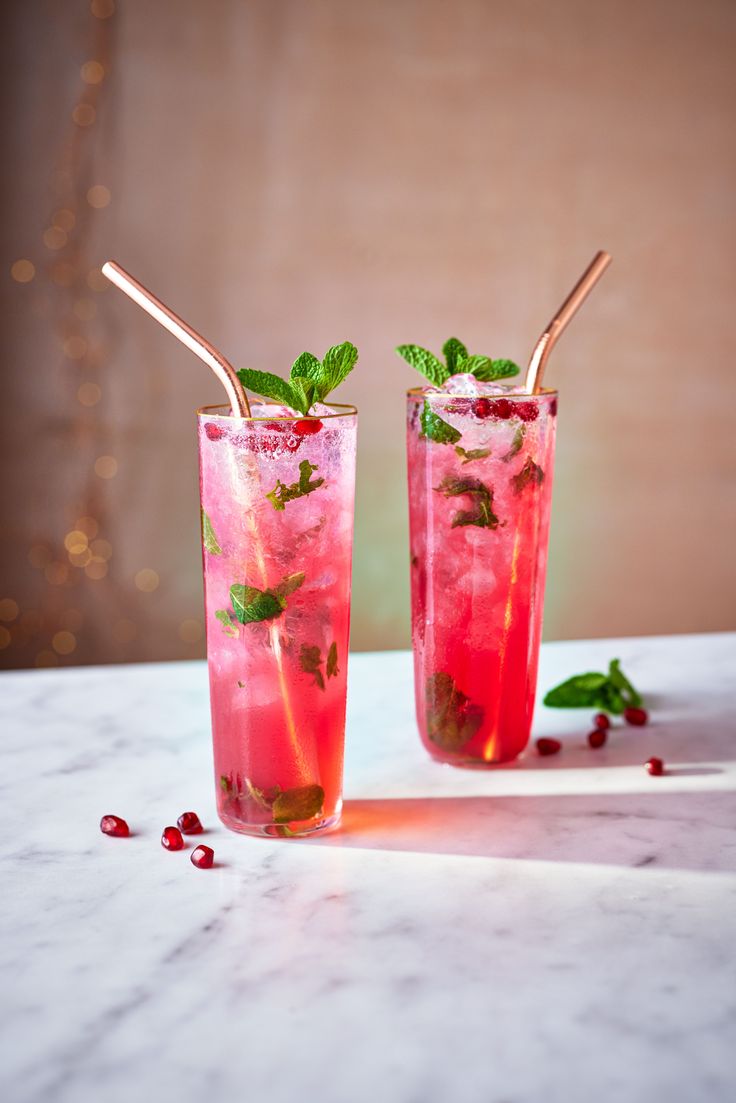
(277, 526)
(480, 487)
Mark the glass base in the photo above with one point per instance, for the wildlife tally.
(478, 763)
(282, 830)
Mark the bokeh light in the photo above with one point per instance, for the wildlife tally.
(84, 114)
(190, 630)
(23, 271)
(5, 637)
(103, 9)
(8, 609)
(89, 394)
(64, 642)
(106, 467)
(92, 72)
(146, 580)
(98, 196)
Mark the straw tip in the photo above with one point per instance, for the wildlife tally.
(108, 268)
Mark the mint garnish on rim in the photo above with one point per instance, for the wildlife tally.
(612, 692)
(457, 361)
(310, 380)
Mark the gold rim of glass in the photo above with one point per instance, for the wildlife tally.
(416, 392)
(344, 409)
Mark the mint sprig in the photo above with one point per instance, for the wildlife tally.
(612, 692)
(457, 360)
(310, 380)
(251, 605)
(434, 428)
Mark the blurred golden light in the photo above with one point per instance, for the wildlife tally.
(5, 638)
(30, 622)
(88, 526)
(103, 9)
(46, 658)
(84, 114)
(23, 271)
(75, 347)
(75, 540)
(96, 281)
(96, 570)
(64, 219)
(92, 72)
(80, 558)
(85, 309)
(56, 573)
(190, 630)
(8, 609)
(98, 196)
(106, 467)
(64, 643)
(124, 631)
(62, 273)
(71, 619)
(101, 549)
(146, 580)
(39, 556)
(89, 394)
(54, 238)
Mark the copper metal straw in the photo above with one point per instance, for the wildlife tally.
(224, 370)
(572, 303)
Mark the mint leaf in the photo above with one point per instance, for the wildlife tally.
(289, 584)
(452, 718)
(473, 454)
(302, 803)
(516, 444)
(486, 370)
(261, 797)
(209, 540)
(268, 385)
(225, 619)
(339, 361)
(306, 366)
(479, 366)
(303, 391)
(310, 660)
(281, 493)
(225, 783)
(251, 605)
(454, 352)
(531, 474)
(592, 690)
(619, 680)
(332, 669)
(425, 362)
(434, 428)
(481, 514)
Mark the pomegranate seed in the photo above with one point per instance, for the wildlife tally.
(637, 717)
(482, 407)
(214, 432)
(308, 427)
(601, 720)
(171, 839)
(548, 746)
(189, 823)
(113, 825)
(203, 857)
(597, 738)
(553, 408)
(655, 766)
(276, 426)
(527, 411)
(502, 408)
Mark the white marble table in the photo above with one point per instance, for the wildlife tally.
(562, 930)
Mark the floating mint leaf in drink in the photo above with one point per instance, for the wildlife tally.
(225, 619)
(434, 428)
(260, 796)
(457, 359)
(452, 718)
(310, 660)
(226, 783)
(331, 667)
(612, 692)
(209, 540)
(281, 493)
(481, 514)
(311, 379)
(302, 803)
(473, 454)
(251, 605)
(516, 444)
(531, 474)
(454, 352)
(289, 584)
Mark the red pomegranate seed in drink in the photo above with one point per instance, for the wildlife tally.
(601, 720)
(548, 746)
(655, 766)
(597, 738)
(482, 407)
(113, 825)
(214, 432)
(308, 427)
(501, 408)
(637, 717)
(203, 857)
(276, 426)
(527, 411)
(189, 823)
(171, 839)
(553, 407)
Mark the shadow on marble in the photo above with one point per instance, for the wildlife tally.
(632, 747)
(689, 831)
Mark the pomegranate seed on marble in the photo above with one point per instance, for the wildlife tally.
(171, 839)
(308, 427)
(202, 857)
(637, 717)
(601, 720)
(597, 738)
(502, 408)
(548, 746)
(113, 825)
(527, 411)
(482, 407)
(214, 432)
(189, 823)
(655, 766)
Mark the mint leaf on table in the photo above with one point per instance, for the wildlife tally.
(611, 692)
(225, 619)
(452, 718)
(209, 540)
(251, 605)
(473, 454)
(434, 428)
(331, 667)
(619, 680)
(302, 803)
(281, 493)
(454, 352)
(531, 474)
(425, 362)
(516, 444)
(486, 370)
(481, 514)
(310, 660)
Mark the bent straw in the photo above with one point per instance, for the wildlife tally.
(569, 308)
(194, 341)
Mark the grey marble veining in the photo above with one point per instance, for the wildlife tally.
(561, 930)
